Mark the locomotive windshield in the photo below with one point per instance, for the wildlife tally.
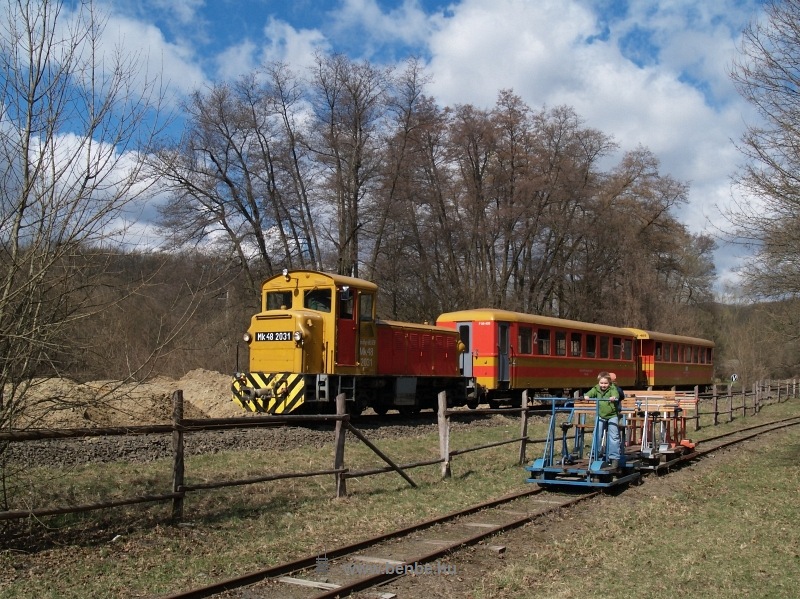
(318, 299)
(279, 300)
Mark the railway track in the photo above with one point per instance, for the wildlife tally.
(424, 547)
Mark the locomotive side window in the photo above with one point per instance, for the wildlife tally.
(543, 343)
(525, 339)
(561, 343)
(365, 303)
(279, 300)
(346, 301)
(575, 345)
(616, 348)
(318, 299)
(591, 346)
(604, 347)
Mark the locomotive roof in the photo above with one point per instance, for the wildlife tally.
(324, 278)
(509, 316)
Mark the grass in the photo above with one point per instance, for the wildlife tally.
(135, 552)
(723, 529)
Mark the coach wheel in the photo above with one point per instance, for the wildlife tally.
(473, 404)
(380, 410)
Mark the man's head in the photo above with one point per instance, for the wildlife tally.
(613, 377)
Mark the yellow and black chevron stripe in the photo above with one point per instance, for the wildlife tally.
(285, 392)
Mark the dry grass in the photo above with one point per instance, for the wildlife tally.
(723, 528)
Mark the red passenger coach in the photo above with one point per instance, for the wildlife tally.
(510, 352)
(673, 361)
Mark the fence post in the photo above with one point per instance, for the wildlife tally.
(779, 394)
(338, 458)
(178, 460)
(697, 409)
(523, 428)
(444, 435)
(730, 402)
(716, 404)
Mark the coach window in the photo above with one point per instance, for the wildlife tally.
(543, 341)
(561, 343)
(604, 347)
(702, 355)
(659, 352)
(525, 340)
(627, 349)
(709, 355)
(666, 352)
(591, 346)
(616, 348)
(675, 352)
(279, 300)
(696, 355)
(575, 345)
(365, 303)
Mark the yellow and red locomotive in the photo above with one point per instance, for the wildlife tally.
(317, 335)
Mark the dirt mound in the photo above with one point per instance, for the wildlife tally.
(62, 403)
(210, 393)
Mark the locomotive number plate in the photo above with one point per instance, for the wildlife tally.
(276, 336)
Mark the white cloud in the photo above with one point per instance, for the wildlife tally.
(676, 99)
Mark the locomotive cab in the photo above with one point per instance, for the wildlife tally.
(310, 323)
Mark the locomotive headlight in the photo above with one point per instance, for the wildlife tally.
(298, 336)
(247, 337)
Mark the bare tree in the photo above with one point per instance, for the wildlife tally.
(241, 177)
(767, 74)
(73, 123)
(349, 103)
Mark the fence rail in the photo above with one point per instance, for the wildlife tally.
(720, 401)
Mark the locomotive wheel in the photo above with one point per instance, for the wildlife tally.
(473, 404)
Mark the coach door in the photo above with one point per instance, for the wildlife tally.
(503, 349)
(465, 359)
(346, 327)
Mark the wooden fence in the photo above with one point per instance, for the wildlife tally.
(726, 403)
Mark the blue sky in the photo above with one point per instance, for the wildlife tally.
(650, 73)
